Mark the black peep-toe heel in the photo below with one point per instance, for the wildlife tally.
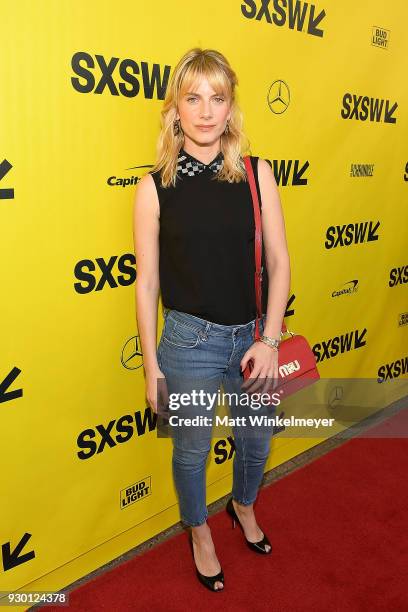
(207, 581)
(258, 547)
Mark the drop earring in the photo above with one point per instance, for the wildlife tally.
(176, 127)
(226, 131)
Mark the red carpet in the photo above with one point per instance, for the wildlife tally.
(339, 532)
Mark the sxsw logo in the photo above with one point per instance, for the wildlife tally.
(398, 276)
(135, 492)
(94, 275)
(337, 345)
(365, 108)
(295, 14)
(289, 172)
(224, 449)
(93, 440)
(395, 369)
(118, 77)
(352, 233)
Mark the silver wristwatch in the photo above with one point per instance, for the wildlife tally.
(272, 342)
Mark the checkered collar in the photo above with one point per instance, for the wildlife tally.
(187, 165)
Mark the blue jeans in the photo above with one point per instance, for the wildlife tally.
(193, 349)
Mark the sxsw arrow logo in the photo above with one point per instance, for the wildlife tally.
(5, 194)
(289, 172)
(352, 233)
(290, 311)
(364, 108)
(13, 558)
(296, 14)
(7, 396)
(339, 344)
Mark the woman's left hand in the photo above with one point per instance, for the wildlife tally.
(264, 374)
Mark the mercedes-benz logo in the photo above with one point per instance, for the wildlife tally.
(132, 356)
(278, 97)
(335, 395)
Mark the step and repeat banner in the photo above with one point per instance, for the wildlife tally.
(84, 475)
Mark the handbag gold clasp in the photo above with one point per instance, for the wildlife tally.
(287, 331)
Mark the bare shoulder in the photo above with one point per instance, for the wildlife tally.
(269, 188)
(265, 173)
(146, 196)
(146, 184)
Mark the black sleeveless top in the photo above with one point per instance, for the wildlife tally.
(207, 244)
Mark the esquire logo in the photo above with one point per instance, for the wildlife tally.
(365, 108)
(352, 233)
(361, 170)
(94, 439)
(297, 15)
(395, 369)
(337, 345)
(94, 275)
(118, 77)
(398, 276)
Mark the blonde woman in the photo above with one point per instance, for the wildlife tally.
(194, 243)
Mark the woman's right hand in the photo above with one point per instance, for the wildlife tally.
(156, 391)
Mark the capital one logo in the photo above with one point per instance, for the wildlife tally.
(278, 97)
(288, 368)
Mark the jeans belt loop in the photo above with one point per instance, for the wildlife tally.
(204, 332)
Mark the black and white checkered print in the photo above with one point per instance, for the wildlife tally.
(187, 165)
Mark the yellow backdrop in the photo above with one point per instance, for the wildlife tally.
(84, 476)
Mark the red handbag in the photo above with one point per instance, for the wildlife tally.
(296, 361)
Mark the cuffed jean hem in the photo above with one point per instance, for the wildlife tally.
(195, 523)
(244, 503)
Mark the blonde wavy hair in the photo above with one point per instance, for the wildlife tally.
(194, 65)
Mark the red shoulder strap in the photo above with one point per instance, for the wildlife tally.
(258, 245)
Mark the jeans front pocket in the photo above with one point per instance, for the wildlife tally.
(181, 335)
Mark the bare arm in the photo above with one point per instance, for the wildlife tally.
(146, 212)
(276, 250)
